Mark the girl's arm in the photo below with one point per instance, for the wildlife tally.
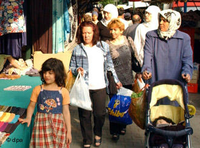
(30, 110)
(67, 119)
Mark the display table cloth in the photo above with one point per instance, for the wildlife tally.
(21, 136)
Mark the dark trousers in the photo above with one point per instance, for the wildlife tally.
(116, 128)
(98, 98)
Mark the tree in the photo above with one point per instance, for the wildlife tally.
(105, 2)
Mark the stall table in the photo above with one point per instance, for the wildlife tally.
(20, 138)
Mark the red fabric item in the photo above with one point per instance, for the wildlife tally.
(3, 127)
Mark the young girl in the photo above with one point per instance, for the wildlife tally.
(52, 125)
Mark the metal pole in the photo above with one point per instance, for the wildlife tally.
(185, 7)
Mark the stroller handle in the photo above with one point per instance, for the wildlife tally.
(180, 133)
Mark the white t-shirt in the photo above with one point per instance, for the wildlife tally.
(96, 68)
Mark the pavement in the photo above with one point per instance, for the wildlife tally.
(134, 137)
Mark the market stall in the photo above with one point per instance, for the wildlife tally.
(14, 94)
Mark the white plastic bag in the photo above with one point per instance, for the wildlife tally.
(141, 83)
(79, 94)
(124, 91)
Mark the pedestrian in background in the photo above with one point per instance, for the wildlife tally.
(121, 14)
(130, 31)
(110, 11)
(95, 17)
(150, 23)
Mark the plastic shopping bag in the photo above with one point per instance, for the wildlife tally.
(119, 105)
(137, 108)
(79, 95)
(138, 85)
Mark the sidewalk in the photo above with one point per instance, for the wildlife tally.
(134, 137)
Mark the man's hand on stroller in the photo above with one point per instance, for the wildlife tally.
(186, 77)
(146, 75)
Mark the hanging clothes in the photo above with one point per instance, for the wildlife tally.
(41, 24)
(73, 18)
(12, 28)
(61, 25)
(12, 17)
(11, 44)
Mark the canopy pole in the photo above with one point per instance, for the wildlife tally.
(185, 7)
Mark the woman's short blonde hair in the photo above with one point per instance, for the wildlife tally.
(117, 23)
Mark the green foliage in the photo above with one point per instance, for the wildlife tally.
(105, 2)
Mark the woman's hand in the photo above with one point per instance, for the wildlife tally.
(186, 77)
(138, 75)
(146, 75)
(81, 70)
(118, 85)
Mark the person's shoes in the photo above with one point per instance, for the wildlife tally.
(115, 137)
(123, 131)
(86, 146)
(97, 142)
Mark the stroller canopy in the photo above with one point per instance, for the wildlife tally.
(175, 92)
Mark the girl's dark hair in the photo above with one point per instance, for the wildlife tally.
(57, 67)
(95, 29)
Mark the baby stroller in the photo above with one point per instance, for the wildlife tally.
(167, 118)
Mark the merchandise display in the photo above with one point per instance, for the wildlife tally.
(17, 88)
(9, 116)
(15, 103)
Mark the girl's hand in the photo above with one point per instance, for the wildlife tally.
(118, 85)
(69, 138)
(186, 77)
(26, 120)
(146, 75)
(80, 69)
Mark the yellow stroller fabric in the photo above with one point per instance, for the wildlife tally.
(174, 93)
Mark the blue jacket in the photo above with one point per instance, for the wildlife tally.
(80, 59)
(168, 59)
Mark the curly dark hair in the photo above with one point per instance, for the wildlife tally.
(95, 29)
(57, 67)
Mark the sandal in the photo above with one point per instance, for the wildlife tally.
(115, 137)
(86, 146)
(123, 131)
(97, 142)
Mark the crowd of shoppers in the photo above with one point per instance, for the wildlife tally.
(105, 45)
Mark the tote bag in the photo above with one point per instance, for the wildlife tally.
(119, 105)
(79, 94)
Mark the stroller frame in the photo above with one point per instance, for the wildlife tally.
(169, 136)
